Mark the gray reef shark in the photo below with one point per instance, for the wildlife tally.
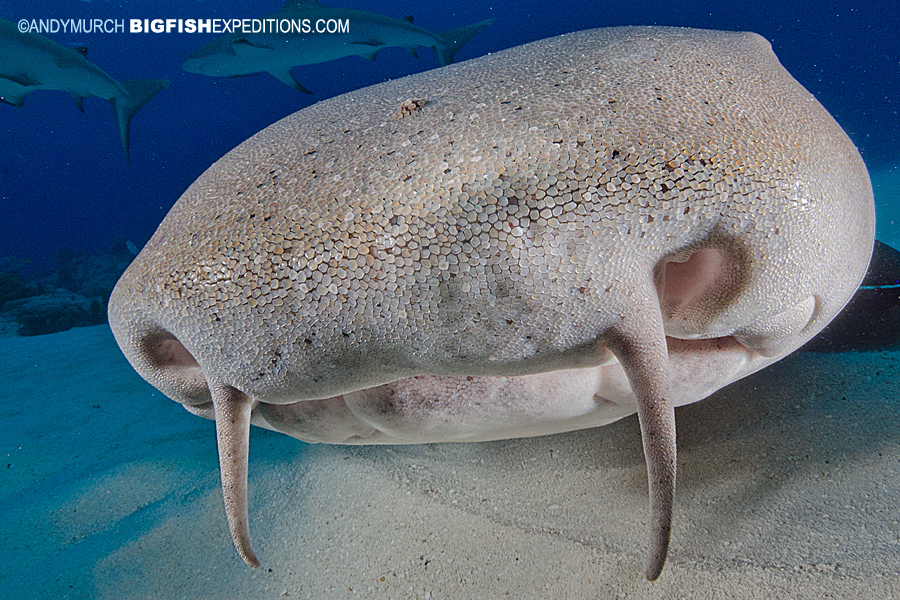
(238, 54)
(30, 62)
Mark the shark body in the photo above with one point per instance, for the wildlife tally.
(30, 62)
(238, 54)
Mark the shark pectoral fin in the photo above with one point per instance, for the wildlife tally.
(78, 100)
(287, 78)
(139, 91)
(366, 52)
(454, 39)
(13, 92)
(640, 345)
(232, 413)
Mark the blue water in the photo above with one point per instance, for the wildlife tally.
(64, 181)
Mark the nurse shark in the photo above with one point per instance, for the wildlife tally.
(548, 238)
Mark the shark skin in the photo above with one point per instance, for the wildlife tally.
(539, 240)
(239, 54)
(33, 62)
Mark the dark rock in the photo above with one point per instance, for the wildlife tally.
(12, 287)
(75, 294)
(871, 320)
(50, 313)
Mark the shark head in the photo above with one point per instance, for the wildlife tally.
(665, 211)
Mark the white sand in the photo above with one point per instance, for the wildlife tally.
(788, 487)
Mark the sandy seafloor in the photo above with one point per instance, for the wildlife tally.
(788, 487)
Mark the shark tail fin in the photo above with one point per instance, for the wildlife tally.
(454, 39)
(139, 91)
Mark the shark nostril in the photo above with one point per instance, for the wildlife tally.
(174, 369)
(164, 351)
(690, 281)
(696, 287)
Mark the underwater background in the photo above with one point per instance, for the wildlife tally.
(111, 490)
(64, 182)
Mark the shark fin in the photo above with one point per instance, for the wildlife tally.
(78, 100)
(287, 78)
(408, 19)
(138, 92)
(376, 45)
(454, 39)
(14, 92)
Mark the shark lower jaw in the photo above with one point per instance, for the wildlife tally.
(439, 408)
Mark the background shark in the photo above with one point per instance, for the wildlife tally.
(30, 62)
(237, 54)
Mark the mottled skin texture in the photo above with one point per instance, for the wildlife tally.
(540, 240)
